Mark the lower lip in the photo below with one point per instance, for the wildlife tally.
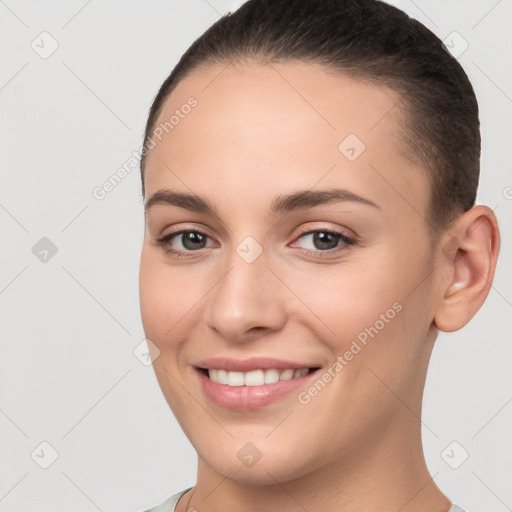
(250, 397)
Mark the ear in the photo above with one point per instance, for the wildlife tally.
(468, 255)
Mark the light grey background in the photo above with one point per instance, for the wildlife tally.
(68, 374)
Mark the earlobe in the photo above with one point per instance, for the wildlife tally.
(468, 257)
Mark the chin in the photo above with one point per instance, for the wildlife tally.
(252, 466)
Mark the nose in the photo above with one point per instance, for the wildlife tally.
(247, 302)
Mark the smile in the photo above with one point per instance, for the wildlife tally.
(255, 377)
(254, 389)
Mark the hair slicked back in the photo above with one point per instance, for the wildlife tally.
(367, 40)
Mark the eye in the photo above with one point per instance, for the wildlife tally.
(326, 242)
(191, 241)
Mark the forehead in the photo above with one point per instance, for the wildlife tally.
(256, 126)
(295, 99)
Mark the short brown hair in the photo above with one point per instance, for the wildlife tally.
(366, 40)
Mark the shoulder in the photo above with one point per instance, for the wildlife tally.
(456, 508)
(170, 503)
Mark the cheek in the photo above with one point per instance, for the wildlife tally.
(349, 297)
(384, 306)
(374, 302)
(168, 296)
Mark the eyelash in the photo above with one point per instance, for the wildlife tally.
(163, 242)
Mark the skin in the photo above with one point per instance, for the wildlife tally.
(260, 131)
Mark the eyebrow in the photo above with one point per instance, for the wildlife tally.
(281, 204)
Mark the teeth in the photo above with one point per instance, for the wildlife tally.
(286, 375)
(255, 377)
(235, 378)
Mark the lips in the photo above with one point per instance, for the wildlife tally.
(253, 395)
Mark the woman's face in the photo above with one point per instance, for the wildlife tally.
(342, 284)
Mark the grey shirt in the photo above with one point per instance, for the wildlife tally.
(169, 505)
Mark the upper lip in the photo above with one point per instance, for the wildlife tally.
(253, 363)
